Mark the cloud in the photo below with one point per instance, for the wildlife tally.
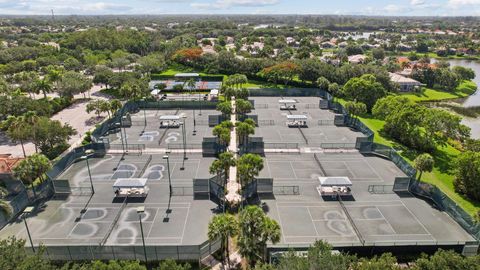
(417, 2)
(226, 4)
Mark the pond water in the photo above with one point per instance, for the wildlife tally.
(473, 100)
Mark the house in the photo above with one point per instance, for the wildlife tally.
(356, 59)
(7, 163)
(405, 84)
(327, 45)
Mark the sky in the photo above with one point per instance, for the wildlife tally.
(341, 7)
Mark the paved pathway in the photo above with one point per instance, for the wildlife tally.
(233, 186)
(75, 115)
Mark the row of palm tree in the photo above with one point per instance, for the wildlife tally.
(99, 106)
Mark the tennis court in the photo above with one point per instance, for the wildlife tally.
(373, 219)
(154, 137)
(320, 123)
(101, 219)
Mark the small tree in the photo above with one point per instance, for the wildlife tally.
(222, 133)
(31, 168)
(323, 83)
(178, 88)
(423, 163)
(115, 105)
(223, 227)
(334, 90)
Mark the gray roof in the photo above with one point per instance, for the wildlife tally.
(297, 117)
(334, 181)
(130, 183)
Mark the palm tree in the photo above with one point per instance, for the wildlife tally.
(191, 84)
(32, 118)
(225, 108)
(223, 227)
(31, 168)
(222, 133)
(256, 229)
(44, 86)
(244, 129)
(17, 129)
(5, 207)
(243, 106)
(222, 165)
(248, 167)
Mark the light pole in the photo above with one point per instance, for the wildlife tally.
(140, 211)
(88, 153)
(194, 122)
(168, 171)
(26, 212)
(144, 113)
(184, 134)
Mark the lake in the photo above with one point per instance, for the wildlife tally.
(473, 100)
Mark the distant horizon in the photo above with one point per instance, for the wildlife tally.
(400, 8)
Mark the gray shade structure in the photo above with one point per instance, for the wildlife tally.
(131, 187)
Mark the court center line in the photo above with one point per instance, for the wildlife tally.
(153, 222)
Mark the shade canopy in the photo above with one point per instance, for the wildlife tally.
(287, 101)
(180, 75)
(130, 183)
(335, 181)
(297, 117)
(169, 117)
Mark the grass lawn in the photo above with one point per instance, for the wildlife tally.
(260, 84)
(442, 174)
(465, 89)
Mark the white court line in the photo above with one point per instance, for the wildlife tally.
(293, 170)
(350, 171)
(385, 219)
(153, 222)
(411, 213)
(185, 224)
(268, 168)
(279, 219)
(198, 168)
(407, 234)
(313, 223)
(373, 169)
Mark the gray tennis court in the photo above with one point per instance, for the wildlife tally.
(154, 136)
(375, 219)
(320, 123)
(100, 219)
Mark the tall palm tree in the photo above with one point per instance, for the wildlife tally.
(222, 164)
(191, 84)
(248, 167)
(223, 227)
(222, 133)
(244, 129)
(44, 86)
(256, 229)
(17, 129)
(31, 118)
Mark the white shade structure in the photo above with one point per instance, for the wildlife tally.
(298, 120)
(169, 121)
(287, 104)
(297, 117)
(335, 181)
(131, 187)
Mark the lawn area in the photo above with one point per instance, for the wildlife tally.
(442, 174)
(261, 84)
(465, 89)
